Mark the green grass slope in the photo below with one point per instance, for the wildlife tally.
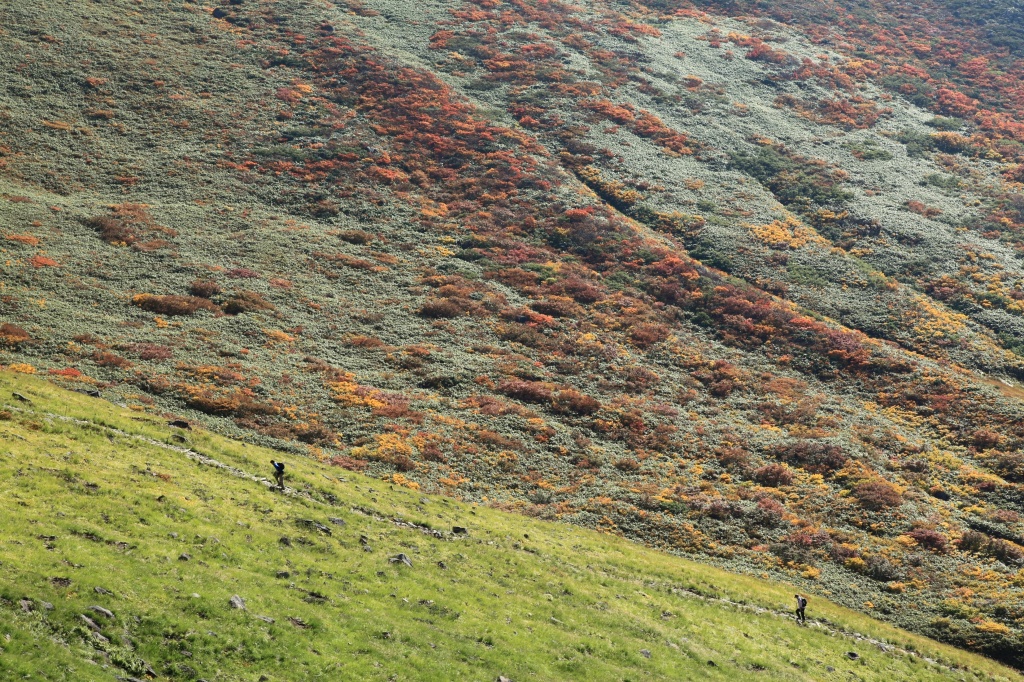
(106, 508)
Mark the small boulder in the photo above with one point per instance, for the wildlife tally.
(102, 590)
(401, 559)
(237, 602)
(646, 653)
(284, 574)
(267, 619)
(712, 664)
(459, 530)
(102, 611)
(852, 655)
(336, 521)
(90, 623)
(184, 556)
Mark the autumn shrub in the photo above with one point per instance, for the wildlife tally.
(972, 541)
(350, 463)
(767, 513)
(557, 306)
(579, 289)
(204, 288)
(929, 538)
(1006, 551)
(732, 457)
(242, 273)
(107, 359)
(316, 434)
(357, 237)
(877, 494)
(773, 475)
(812, 456)
(646, 335)
(571, 401)
(11, 335)
(441, 308)
(172, 304)
(244, 301)
(151, 351)
(878, 567)
(526, 391)
(627, 465)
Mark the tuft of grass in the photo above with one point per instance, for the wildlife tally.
(109, 508)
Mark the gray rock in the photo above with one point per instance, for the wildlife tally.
(237, 602)
(26, 605)
(712, 664)
(336, 522)
(102, 590)
(442, 565)
(284, 574)
(185, 556)
(47, 606)
(102, 611)
(90, 623)
(646, 653)
(363, 540)
(401, 559)
(853, 656)
(267, 619)
(459, 530)
(502, 678)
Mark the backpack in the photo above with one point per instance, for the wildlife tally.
(802, 603)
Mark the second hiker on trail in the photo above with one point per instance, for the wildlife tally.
(801, 604)
(278, 473)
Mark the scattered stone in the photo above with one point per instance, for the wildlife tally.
(853, 656)
(102, 611)
(174, 536)
(267, 619)
(180, 424)
(285, 541)
(312, 525)
(367, 548)
(526, 535)
(829, 669)
(336, 522)
(237, 602)
(502, 678)
(47, 606)
(363, 540)
(185, 556)
(646, 653)
(284, 574)
(102, 590)
(61, 582)
(401, 559)
(442, 565)
(26, 605)
(298, 622)
(90, 623)
(21, 398)
(459, 530)
(195, 595)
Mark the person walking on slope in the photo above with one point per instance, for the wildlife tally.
(801, 604)
(278, 473)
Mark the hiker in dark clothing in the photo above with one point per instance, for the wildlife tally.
(278, 473)
(801, 604)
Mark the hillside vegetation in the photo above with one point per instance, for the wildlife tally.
(125, 541)
(736, 280)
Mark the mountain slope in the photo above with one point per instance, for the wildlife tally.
(160, 529)
(589, 262)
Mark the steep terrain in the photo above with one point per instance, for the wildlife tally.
(125, 543)
(737, 281)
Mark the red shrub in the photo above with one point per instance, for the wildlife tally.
(773, 475)
(527, 391)
(931, 539)
(349, 463)
(105, 359)
(244, 301)
(646, 335)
